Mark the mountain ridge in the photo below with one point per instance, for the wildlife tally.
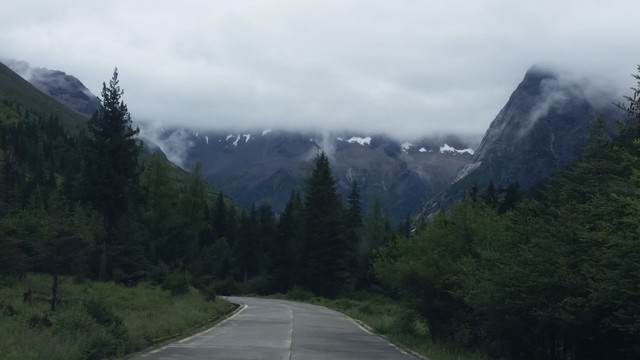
(14, 88)
(542, 128)
(267, 165)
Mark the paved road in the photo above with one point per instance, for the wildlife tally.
(277, 329)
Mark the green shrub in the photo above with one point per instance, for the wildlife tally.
(207, 287)
(260, 285)
(405, 322)
(93, 330)
(159, 273)
(177, 282)
(300, 294)
(366, 309)
(117, 340)
(228, 286)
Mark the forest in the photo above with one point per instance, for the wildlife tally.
(552, 272)
(95, 205)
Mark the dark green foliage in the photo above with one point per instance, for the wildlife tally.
(110, 164)
(20, 95)
(375, 233)
(246, 245)
(219, 217)
(633, 107)
(326, 271)
(286, 260)
(552, 277)
(177, 282)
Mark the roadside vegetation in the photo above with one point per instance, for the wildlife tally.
(547, 274)
(95, 320)
(391, 319)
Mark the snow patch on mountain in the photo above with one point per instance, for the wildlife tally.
(422, 149)
(235, 143)
(447, 148)
(266, 131)
(247, 137)
(206, 138)
(406, 146)
(360, 140)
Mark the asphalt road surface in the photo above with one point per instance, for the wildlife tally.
(278, 329)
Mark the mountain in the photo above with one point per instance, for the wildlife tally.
(66, 89)
(15, 89)
(253, 167)
(542, 128)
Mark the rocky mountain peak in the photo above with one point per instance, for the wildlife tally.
(65, 88)
(543, 127)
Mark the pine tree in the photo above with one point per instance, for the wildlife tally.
(633, 108)
(246, 245)
(326, 250)
(219, 215)
(353, 229)
(287, 256)
(110, 164)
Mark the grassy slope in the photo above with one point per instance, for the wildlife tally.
(147, 316)
(17, 90)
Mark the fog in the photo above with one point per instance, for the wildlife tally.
(404, 68)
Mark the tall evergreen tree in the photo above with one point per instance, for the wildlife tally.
(110, 164)
(326, 250)
(219, 215)
(287, 250)
(353, 228)
(246, 245)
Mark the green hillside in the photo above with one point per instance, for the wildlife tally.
(21, 99)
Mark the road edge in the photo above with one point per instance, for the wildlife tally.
(188, 333)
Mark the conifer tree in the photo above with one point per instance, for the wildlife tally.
(246, 245)
(287, 256)
(194, 209)
(326, 250)
(159, 213)
(219, 215)
(110, 164)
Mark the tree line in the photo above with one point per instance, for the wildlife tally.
(550, 274)
(95, 206)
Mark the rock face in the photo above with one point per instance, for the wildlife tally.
(542, 128)
(67, 89)
(266, 166)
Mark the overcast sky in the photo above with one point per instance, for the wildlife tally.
(404, 67)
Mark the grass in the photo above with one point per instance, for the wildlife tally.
(391, 320)
(95, 320)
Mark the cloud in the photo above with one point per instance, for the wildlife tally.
(407, 68)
